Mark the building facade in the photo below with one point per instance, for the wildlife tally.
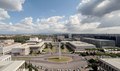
(21, 49)
(78, 46)
(99, 42)
(109, 64)
(6, 64)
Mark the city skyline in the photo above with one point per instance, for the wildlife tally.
(63, 16)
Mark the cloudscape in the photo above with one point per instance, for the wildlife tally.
(59, 16)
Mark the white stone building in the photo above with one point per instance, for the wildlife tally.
(78, 46)
(21, 49)
(109, 64)
(6, 48)
(6, 64)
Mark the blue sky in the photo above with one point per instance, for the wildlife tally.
(45, 9)
(59, 16)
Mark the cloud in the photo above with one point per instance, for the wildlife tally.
(11, 5)
(105, 12)
(3, 14)
(55, 24)
(111, 20)
(98, 7)
(108, 30)
(48, 25)
(95, 16)
(74, 24)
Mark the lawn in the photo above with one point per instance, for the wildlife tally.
(56, 59)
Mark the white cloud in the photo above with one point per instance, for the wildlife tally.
(110, 20)
(95, 16)
(54, 24)
(108, 30)
(74, 24)
(12, 5)
(98, 7)
(3, 14)
(48, 25)
(105, 12)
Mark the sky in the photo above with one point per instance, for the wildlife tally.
(59, 16)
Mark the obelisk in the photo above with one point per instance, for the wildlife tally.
(59, 49)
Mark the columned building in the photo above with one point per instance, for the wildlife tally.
(109, 64)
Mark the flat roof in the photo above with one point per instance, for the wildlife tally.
(115, 62)
(98, 39)
(8, 45)
(36, 45)
(81, 46)
(21, 46)
(79, 43)
(10, 65)
(4, 57)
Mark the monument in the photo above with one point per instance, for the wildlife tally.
(59, 43)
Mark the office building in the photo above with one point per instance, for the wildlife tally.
(5, 58)
(36, 46)
(21, 49)
(109, 64)
(34, 39)
(99, 42)
(78, 46)
(6, 64)
(6, 48)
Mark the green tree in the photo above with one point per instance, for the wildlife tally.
(93, 64)
(46, 45)
(50, 45)
(62, 46)
(30, 67)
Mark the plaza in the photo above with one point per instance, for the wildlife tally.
(76, 64)
(57, 60)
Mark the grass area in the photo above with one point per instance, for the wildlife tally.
(47, 50)
(56, 59)
(53, 50)
(65, 50)
(21, 58)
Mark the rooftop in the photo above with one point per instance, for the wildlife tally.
(5, 44)
(10, 65)
(22, 46)
(112, 61)
(4, 57)
(79, 43)
(81, 46)
(98, 39)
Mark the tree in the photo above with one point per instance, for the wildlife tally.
(31, 51)
(93, 64)
(46, 45)
(62, 46)
(30, 67)
(38, 52)
(50, 45)
(26, 65)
